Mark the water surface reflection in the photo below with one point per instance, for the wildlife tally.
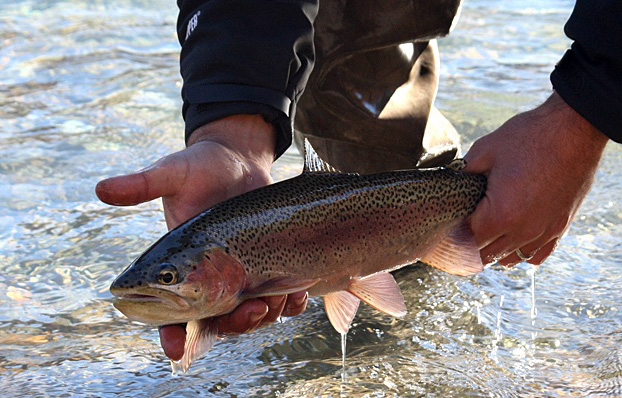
(91, 89)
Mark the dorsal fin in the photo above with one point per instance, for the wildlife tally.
(313, 162)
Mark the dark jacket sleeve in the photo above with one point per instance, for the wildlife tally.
(245, 57)
(589, 76)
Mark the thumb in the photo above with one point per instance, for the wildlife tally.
(478, 160)
(148, 184)
(173, 339)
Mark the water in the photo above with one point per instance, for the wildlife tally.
(534, 308)
(91, 89)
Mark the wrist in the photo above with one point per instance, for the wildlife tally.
(578, 130)
(249, 136)
(565, 136)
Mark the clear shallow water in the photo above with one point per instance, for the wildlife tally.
(91, 89)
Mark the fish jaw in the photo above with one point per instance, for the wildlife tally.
(153, 306)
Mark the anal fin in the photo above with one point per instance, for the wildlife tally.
(381, 292)
(457, 253)
(341, 308)
(201, 335)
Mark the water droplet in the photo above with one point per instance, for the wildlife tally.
(497, 334)
(343, 357)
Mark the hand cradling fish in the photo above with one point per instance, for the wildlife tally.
(336, 235)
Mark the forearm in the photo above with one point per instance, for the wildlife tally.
(245, 57)
(588, 76)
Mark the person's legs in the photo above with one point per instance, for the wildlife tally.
(366, 109)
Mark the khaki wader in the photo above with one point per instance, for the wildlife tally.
(368, 105)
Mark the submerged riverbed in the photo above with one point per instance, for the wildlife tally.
(91, 89)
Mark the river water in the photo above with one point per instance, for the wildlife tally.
(90, 89)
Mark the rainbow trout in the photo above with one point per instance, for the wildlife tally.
(336, 235)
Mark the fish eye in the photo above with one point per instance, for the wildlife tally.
(168, 275)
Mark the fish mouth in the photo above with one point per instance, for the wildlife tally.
(151, 305)
(141, 298)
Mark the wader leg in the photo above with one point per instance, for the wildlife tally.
(371, 110)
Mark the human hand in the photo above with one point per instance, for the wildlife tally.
(540, 165)
(223, 159)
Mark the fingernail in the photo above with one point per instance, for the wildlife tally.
(300, 301)
(256, 317)
(277, 304)
(297, 302)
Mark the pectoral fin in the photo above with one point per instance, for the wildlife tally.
(280, 285)
(200, 337)
(341, 308)
(457, 254)
(381, 292)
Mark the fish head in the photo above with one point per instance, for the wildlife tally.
(175, 282)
